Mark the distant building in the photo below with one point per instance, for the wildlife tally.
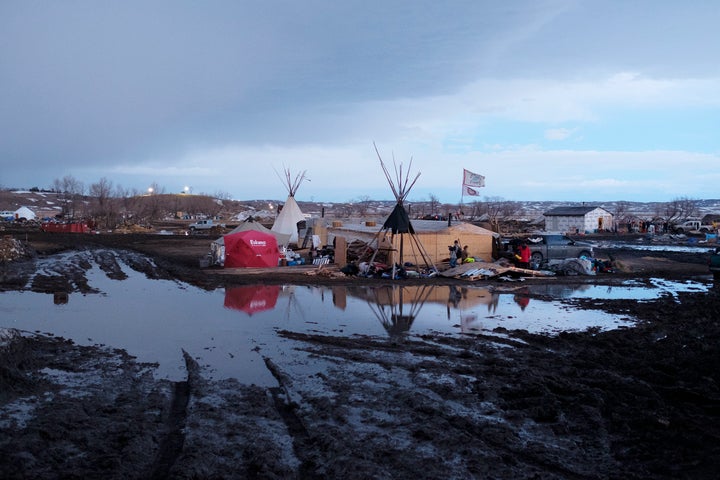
(24, 213)
(585, 219)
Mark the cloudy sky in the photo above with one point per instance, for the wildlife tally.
(567, 100)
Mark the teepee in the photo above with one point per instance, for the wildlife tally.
(290, 215)
(398, 225)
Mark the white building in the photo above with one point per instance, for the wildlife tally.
(578, 220)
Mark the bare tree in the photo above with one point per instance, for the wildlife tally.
(220, 195)
(104, 207)
(69, 191)
(363, 204)
(496, 209)
(680, 209)
(434, 203)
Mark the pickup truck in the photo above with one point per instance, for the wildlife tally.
(203, 225)
(714, 264)
(544, 247)
(692, 226)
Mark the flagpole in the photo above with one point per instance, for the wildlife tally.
(462, 192)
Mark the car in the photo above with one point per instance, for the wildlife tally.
(551, 246)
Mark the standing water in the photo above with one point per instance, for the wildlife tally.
(229, 331)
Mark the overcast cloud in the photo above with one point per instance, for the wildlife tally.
(550, 100)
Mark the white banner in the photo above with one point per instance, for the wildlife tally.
(473, 179)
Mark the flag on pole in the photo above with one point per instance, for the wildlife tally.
(473, 179)
(470, 191)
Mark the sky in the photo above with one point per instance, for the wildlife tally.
(562, 100)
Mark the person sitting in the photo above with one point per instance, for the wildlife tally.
(465, 255)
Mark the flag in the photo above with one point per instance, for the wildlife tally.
(473, 179)
(470, 191)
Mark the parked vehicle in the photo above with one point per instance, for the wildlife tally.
(714, 264)
(203, 225)
(550, 246)
(692, 226)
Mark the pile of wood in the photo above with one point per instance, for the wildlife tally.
(485, 270)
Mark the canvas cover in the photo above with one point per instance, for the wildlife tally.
(398, 221)
(282, 238)
(287, 220)
(251, 248)
(25, 212)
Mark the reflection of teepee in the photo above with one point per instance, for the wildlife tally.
(390, 302)
(398, 223)
(290, 215)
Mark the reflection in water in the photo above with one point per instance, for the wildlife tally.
(252, 299)
(61, 298)
(155, 320)
(397, 306)
(522, 298)
(629, 290)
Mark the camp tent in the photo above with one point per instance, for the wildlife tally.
(251, 249)
(24, 212)
(397, 236)
(287, 220)
(217, 248)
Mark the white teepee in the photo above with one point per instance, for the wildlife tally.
(287, 220)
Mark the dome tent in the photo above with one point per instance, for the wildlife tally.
(251, 248)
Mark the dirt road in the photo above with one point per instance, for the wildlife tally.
(630, 403)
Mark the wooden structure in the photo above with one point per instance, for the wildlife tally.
(435, 236)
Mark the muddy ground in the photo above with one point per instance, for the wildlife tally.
(633, 403)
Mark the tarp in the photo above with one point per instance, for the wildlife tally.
(251, 249)
(282, 238)
(398, 221)
(252, 299)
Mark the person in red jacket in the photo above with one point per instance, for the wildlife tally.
(523, 256)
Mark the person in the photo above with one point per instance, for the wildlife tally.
(523, 255)
(454, 253)
(464, 254)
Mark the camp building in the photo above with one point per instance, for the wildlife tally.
(583, 219)
(435, 237)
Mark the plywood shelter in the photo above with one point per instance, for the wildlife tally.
(435, 236)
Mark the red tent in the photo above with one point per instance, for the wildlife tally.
(251, 248)
(252, 299)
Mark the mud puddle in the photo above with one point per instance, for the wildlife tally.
(118, 300)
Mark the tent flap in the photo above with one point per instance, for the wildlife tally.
(398, 221)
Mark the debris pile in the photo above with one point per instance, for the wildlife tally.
(12, 249)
